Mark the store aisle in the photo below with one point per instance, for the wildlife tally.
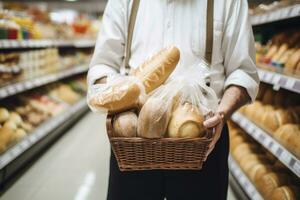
(74, 168)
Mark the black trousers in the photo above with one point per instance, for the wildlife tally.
(209, 183)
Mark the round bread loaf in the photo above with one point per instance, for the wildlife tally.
(243, 149)
(10, 124)
(186, 122)
(125, 124)
(269, 182)
(4, 115)
(16, 118)
(236, 140)
(259, 170)
(286, 193)
(252, 108)
(18, 135)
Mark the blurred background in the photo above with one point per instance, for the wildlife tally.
(53, 147)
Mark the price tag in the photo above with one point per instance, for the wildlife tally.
(285, 157)
(296, 86)
(11, 89)
(278, 152)
(290, 83)
(296, 168)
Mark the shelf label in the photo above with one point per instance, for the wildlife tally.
(3, 93)
(278, 152)
(296, 86)
(296, 167)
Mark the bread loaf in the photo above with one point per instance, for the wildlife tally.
(157, 69)
(291, 64)
(16, 118)
(245, 148)
(153, 119)
(269, 182)
(125, 124)
(120, 97)
(18, 135)
(259, 170)
(10, 124)
(286, 193)
(4, 115)
(5, 138)
(186, 122)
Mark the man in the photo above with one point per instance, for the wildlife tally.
(182, 23)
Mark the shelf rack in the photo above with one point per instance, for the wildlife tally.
(262, 137)
(279, 80)
(243, 180)
(17, 44)
(25, 85)
(276, 15)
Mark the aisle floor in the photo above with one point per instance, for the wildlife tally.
(74, 168)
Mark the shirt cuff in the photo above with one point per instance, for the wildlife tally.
(241, 78)
(98, 71)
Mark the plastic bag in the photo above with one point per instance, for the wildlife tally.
(179, 107)
(118, 94)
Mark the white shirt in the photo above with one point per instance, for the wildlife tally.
(182, 23)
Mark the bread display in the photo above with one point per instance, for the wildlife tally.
(119, 97)
(153, 119)
(186, 122)
(125, 124)
(5, 138)
(18, 135)
(156, 70)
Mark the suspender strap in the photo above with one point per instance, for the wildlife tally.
(209, 30)
(132, 19)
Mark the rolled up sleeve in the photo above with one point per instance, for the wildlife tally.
(109, 50)
(238, 49)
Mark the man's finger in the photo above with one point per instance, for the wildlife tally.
(212, 122)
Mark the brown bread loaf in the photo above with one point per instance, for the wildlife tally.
(153, 119)
(186, 122)
(156, 70)
(4, 115)
(125, 124)
(258, 170)
(286, 193)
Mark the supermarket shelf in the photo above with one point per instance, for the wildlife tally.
(243, 180)
(276, 15)
(22, 86)
(269, 143)
(39, 133)
(238, 191)
(12, 44)
(279, 80)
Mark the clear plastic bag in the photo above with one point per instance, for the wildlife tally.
(185, 95)
(118, 94)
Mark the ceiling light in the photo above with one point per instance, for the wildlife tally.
(71, 0)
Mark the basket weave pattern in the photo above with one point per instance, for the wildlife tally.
(163, 153)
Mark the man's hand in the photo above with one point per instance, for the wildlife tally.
(234, 97)
(215, 124)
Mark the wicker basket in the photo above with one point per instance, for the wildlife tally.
(163, 153)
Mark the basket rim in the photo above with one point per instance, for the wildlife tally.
(140, 139)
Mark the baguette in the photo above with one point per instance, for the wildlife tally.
(117, 98)
(155, 71)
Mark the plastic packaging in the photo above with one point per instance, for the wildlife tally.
(187, 87)
(118, 94)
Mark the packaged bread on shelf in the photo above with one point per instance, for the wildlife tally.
(119, 94)
(156, 70)
(125, 124)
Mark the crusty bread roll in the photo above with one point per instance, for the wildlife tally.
(16, 118)
(10, 124)
(235, 141)
(269, 182)
(5, 137)
(153, 119)
(120, 97)
(291, 64)
(259, 170)
(260, 111)
(156, 70)
(18, 135)
(250, 160)
(286, 193)
(186, 122)
(125, 124)
(4, 115)
(242, 149)
(251, 109)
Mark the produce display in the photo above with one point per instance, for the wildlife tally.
(279, 114)
(20, 115)
(21, 21)
(282, 53)
(15, 66)
(270, 177)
